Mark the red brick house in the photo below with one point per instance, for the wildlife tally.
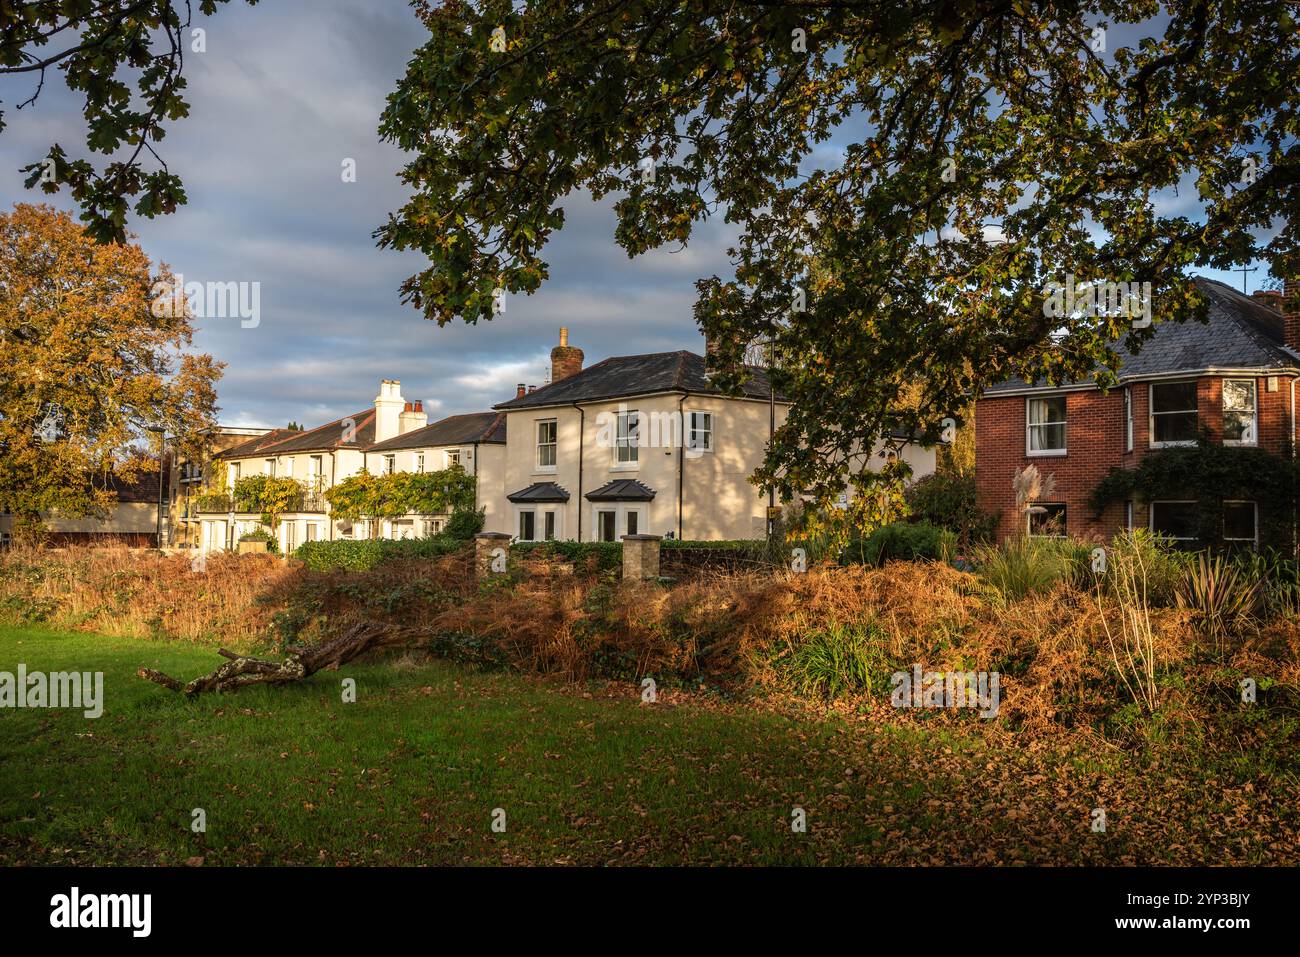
(1233, 380)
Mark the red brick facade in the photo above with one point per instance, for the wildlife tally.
(1096, 442)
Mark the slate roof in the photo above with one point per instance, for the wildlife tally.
(621, 376)
(453, 430)
(621, 490)
(1241, 333)
(540, 492)
(323, 438)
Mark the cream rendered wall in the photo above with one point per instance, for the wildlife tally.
(485, 461)
(719, 502)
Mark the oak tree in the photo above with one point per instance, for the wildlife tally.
(87, 366)
(905, 179)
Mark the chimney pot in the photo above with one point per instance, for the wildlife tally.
(532, 389)
(564, 336)
(521, 390)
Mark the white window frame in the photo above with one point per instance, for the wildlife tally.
(553, 445)
(235, 474)
(1255, 508)
(1128, 421)
(539, 513)
(452, 457)
(390, 463)
(1151, 518)
(627, 441)
(270, 468)
(705, 429)
(1254, 416)
(519, 523)
(620, 510)
(1128, 515)
(1065, 529)
(1152, 413)
(1029, 427)
(419, 463)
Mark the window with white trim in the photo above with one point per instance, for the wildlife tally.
(288, 467)
(419, 463)
(1176, 520)
(1240, 414)
(235, 469)
(1128, 421)
(1241, 522)
(1047, 519)
(627, 438)
(527, 525)
(1173, 413)
(1045, 422)
(390, 464)
(699, 432)
(453, 457)
(270, 467)
(547, 430)
(612, 519)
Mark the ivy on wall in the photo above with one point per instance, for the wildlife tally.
(1210, 474)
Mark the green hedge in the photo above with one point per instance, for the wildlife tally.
(901, 540)
(365, 554)
(607, 556)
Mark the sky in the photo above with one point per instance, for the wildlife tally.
(278, 101)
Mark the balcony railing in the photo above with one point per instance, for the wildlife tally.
(311, 498)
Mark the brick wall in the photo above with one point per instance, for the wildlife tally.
(1095, 442)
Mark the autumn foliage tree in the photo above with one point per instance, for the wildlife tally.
(904, 180)
(86, 367)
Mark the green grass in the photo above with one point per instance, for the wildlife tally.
(411, 773)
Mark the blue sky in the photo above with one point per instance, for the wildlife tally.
(278, 101)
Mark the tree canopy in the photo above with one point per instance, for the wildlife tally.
(100, 46)
(905, 179)
(87, 369)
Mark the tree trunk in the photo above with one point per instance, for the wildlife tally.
(241, 670)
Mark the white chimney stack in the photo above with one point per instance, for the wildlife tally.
(413, 417)
(388, 410)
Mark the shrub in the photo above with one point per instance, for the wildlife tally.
(1024, 565)
(596, 556)
(900, 541)
(368, 553)
(465, 523)
(837, 660)
(1221, 593)
(948, 501)
(262, 535)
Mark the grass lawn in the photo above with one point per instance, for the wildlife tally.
(412, 772)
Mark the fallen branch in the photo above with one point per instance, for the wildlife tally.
(241, 670)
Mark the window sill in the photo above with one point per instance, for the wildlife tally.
(1174, 445)
(542, 470)
(1233, 443)
(1048, 454)
(625, 467)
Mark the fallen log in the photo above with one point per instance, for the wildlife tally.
(241, 670)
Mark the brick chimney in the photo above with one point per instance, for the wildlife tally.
(566, 360)
(413, 417)
(1291, 313)
(388, 410)
(521, 390)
